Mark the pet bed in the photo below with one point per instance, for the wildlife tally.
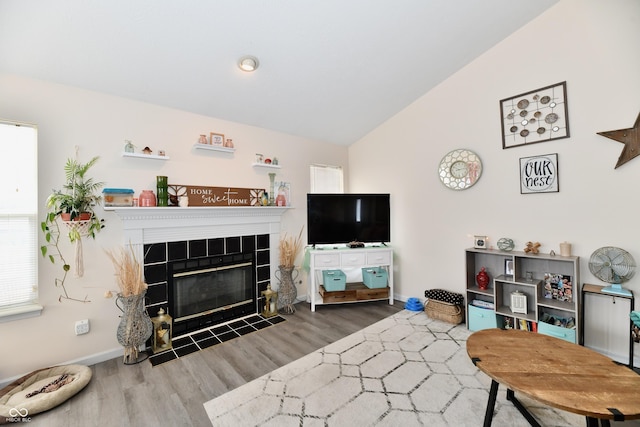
(42, 390)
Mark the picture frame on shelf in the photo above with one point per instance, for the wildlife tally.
(216, 139)
(508, 267)
(539, 174)
(282, 193)
(540, 115)
(480, 242)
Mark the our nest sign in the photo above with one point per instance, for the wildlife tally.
(194, 195)
(539, 174)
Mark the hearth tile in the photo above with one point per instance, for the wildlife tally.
(261, 324)
(227, 336)
(263, 257)
(208, 342)
(202, 335)
(215, 246)
(155, 273)
(253, 319)
(155, 252)
(177, 250)
(248, 243)
(183, 351)
(276, 320)
(220, 329)
(159, 358)
(263, 273)
(157, 294)
(232, 245)
(262, 241)
(237, 325)
(197, 248)
(245, 330)
(181, 342)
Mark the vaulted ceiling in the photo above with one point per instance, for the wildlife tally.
(330, 70)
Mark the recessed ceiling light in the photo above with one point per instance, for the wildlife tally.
(248, 63)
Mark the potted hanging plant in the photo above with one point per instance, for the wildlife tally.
(77, 199)
(74, 206)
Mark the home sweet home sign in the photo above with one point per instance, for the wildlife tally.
(194, 195)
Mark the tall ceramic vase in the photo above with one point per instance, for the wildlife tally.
(287, 291)
(135, 325)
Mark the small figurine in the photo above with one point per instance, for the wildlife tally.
(147, 150)
(228, 143)
(533, 248)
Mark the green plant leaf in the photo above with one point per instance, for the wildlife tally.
(66, 267)
(53, 261)
(43, 249)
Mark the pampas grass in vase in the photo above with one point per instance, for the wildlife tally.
(289, 248)
(135, 327)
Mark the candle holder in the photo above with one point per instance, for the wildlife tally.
(270, 307)
(162, 332)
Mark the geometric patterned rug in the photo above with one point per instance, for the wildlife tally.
(405, 370)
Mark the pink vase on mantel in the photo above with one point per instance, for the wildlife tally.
(147, 199)
(483, 279)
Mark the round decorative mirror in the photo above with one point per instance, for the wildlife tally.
(460, 169)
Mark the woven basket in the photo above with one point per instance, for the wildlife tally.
(445, 311)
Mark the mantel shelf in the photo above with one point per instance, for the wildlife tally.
(208, 147)
(265, 165)
(144, 156)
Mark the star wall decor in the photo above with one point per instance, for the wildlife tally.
(631, 140)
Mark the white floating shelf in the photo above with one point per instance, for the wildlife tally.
(265, 165)
(208, 147)
(144, 156)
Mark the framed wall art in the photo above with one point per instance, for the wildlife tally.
(537, 116)
(217, 139)
(539, 174)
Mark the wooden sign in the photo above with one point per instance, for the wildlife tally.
(193, 195)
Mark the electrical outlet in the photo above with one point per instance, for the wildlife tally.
(82, 327)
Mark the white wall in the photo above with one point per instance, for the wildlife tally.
(98, 124)
(591, 44)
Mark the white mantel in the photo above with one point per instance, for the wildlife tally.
(144, 225)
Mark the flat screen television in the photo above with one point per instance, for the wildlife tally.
(346, 218)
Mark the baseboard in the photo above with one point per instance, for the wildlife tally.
(87, 361)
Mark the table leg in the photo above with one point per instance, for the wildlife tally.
(491, 404)
(512, 398)
(593, 422)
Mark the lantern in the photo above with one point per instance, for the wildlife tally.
(270, 308)
(162, 331)
(518, 302)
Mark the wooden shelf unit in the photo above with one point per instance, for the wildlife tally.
(501, 286)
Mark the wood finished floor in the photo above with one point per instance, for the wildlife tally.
(172, 394)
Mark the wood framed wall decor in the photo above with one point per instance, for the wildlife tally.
(539, 174)
(537, 116)
(217, 139)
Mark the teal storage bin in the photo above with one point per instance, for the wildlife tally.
(481, 318)
(375, 277)
(334, 280)
(567, 334)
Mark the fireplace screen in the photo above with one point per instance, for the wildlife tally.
(199, 292)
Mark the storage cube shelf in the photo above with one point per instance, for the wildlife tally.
(530, 275)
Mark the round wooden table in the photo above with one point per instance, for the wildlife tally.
(557, 373)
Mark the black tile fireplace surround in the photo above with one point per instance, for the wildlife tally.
(159, 256)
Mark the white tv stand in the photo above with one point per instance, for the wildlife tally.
(338, 258)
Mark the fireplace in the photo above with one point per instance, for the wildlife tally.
(206, 291)
(170, 239)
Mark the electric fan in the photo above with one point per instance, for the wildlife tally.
(612, 265)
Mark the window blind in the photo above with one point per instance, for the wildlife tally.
(18, 214)
(326, 179)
